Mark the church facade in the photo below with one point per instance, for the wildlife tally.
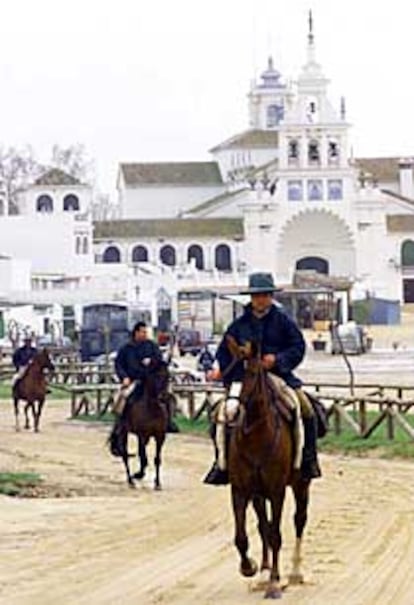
(283, 196)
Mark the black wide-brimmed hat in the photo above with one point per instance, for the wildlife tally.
(260, 283)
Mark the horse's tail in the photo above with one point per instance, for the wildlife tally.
(117, 439)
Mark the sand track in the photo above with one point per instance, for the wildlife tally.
(93, 540)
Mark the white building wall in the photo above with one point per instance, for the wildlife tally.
(48, 240)
(163, 202)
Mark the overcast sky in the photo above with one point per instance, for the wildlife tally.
(151, 80)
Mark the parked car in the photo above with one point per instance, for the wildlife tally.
(189, 341)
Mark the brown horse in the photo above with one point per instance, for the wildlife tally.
(261, 458)
(32, 388)
(146, 417)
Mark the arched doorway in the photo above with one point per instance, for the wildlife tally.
(196, 252)
(44, 203)
(223, 258)
(71, 202)
(313, 263)
(139, 254)
(111, 255)
(167, 255)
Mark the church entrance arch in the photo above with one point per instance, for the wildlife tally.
(319, 240)
(315, 263)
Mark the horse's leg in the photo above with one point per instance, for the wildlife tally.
(16, 412)
(274, 590)
(259, 505)
(301, 493)
(248, 566)
(142, 455)
(123, 442)
(159, 441)
(37, 410)
(28, 405)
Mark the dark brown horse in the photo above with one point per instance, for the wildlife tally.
(261, 459)
(32, 388)
(145, 417)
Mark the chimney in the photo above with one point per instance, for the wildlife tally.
(406, 177)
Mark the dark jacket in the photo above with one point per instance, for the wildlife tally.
(128, 362)
(206, 360)
(276, 333)
(23, 355)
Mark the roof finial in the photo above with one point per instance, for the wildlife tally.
(310, 34)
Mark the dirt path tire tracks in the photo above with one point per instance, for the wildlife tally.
(106, 543)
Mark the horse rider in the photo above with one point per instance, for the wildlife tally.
(22, 357)
(134, 361)
(282, 348)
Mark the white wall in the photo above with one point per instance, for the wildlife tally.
(47, 240)
(163, 202)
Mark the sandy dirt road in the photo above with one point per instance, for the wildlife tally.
(92, 540)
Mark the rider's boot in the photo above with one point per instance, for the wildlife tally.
(310, 468)
(218, 474)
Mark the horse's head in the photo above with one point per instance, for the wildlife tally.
(44, 361)
(250, 354)
(157, 379)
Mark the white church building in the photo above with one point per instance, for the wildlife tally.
(282, 196)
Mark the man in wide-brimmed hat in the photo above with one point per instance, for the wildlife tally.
(283, 348)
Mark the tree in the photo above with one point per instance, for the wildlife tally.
(18, 169)
(74, 161)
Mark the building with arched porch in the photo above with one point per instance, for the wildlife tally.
(302, 202)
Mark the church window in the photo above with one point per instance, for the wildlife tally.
(139, 254)
(315, 190)
(407, 253)
(44, 203)
(85, 245)
(335, 189)
(274, 115)
(71, 202)
(111, 255)
(78, 245)
(223, 258)
(295, 191)
(313, 152)
(333, 152)
(293, 151)
(168, 256)
(195, 254)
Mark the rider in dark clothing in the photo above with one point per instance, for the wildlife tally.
(282, 349)
(135, 360)
(23, 355)
(206, 360)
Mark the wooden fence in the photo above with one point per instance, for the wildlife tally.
(390, 405)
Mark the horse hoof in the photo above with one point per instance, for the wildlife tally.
(157, 487)
(139, 475)
(295, 579)
(274, 591)
(248, 569)
(131, 484)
